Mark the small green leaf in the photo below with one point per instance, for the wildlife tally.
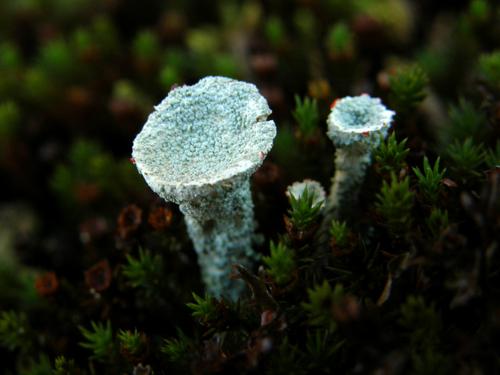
(280, 263)
(429, 180)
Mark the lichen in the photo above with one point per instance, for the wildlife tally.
(358, 120)
(198, 149)
(356, 125)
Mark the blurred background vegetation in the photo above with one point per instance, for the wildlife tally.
(96, 271)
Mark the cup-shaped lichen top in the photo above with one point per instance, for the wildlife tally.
(203, 135)
(361, 120)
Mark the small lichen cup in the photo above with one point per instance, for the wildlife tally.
(356, 126)
(198, 149)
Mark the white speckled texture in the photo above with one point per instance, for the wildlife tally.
(355, 125)
(198, 149)
(297, 189)
(358, 120)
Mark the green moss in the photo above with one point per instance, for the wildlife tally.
(146, 46)
(408, 87)
(391, 154)
(280, 263)
(14, 331)
(466, 158)
(466, 121)
(395, 203)
(429, 180)
(339, 233)
(204, 308)
(99, 340)
(321, 300)
(340, 41)
(145, 271)
(304, 210)
(489, 68)
(306, 114)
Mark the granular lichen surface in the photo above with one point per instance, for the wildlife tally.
(204, 133)
(358, 119)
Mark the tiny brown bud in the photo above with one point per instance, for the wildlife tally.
(129, 220)
(160, 218)
(98, 277)
(46, 284)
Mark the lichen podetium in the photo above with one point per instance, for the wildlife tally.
(355, 125)
(198, 149)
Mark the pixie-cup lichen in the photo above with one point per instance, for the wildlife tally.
(356, 125)
(198, 149)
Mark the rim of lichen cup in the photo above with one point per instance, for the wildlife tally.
(204, 137)
(358, 120)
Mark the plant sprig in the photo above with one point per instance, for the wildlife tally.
(304, 211)
(280, 262)
(429, 180)
(306, 114)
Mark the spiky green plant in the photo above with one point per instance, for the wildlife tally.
(319, 307)
(131, 341)
(304, 212)
(479, 10)
(391, 154)
(489, 68)
(275, 30)
(146, 46)
(144, 271)
(204, 308)
(340, 41)
(437, 221)
(395, 202)
(14, 330)
(65, 366)
(466, 157)
(493, 156)
(429, 180)
(57, 61)
(306, 114)
(465, 121)
(339, 232)
(177, 350)
(408, 87)
(280, 263)
(99, 340)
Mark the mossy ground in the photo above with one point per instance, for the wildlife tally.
(97, 274)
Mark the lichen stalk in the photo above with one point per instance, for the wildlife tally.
(221, 228)
(351, 163)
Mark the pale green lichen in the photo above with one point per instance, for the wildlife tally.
(198, 149)
(356, 125)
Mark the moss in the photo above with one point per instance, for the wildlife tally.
(101, 276)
